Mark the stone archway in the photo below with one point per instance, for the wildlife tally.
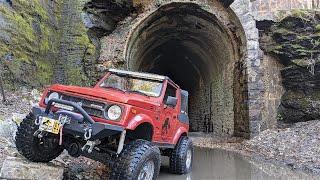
(210, 50)
(199, 52)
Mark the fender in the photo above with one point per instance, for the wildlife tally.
(139, 119)
(177, 136)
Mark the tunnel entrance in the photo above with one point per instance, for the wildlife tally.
(194, 49)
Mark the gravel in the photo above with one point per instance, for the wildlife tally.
(297, 147)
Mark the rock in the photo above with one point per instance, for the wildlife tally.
(299, 78)
(6, 2)
(101, 17)
(17, 117)
(295, 40)
(8, 130)
(297, 147)
(18, 168)
(297, 106)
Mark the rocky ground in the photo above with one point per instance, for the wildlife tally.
(13, 111)
(296, 146)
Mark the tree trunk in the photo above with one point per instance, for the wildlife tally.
(315, 3)
(2, 89)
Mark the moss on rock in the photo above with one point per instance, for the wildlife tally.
(297, 106)
(295, 39)
(36, 29)
(32, 42)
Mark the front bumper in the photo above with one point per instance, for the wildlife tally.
(79, 124)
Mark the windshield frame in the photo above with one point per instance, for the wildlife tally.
(146, 79)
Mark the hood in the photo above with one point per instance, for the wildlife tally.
(108, 95)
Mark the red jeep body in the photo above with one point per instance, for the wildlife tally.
(137, 109)
(127, 120)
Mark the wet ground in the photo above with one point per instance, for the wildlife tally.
(221, 164)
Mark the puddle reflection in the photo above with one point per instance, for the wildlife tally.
(220, 164)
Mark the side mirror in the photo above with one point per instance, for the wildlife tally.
(171, 101)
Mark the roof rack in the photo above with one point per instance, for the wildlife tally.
(139, 74)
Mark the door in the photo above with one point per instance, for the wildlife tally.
(169, 116)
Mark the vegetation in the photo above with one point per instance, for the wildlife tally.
(32, 46)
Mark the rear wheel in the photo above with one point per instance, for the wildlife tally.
(33, 148)
(182, 156)
(139, 160)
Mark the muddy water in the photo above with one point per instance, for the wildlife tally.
(220, 164)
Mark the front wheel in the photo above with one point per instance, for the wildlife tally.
(33, 148)
(139, 160)
(182, 156)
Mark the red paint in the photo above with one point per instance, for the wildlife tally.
(138, 109)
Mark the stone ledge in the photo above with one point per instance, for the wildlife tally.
(18, 168)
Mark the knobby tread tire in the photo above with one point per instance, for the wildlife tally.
(178, 156)
(129, 163)
(28, 145)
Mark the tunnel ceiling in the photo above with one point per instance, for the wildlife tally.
(183, 42)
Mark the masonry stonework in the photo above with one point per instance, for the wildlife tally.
(222, 66)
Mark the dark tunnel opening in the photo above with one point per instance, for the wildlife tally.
(189, 45)
(175, 61)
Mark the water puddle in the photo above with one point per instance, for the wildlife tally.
(220, 164)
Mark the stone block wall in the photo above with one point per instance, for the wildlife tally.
(273, 90)
(269, 9)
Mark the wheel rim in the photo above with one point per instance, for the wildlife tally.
(188, 159)
(147, 171)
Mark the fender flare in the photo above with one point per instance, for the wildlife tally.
(178, 134)
(139, 119)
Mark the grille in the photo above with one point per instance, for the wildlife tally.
(93, 108)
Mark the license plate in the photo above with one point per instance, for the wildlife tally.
(50, 125)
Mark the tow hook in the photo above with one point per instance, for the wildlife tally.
(38, 133)
(37, 121)
(90, 145)
(87, 134)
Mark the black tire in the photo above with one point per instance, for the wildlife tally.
(133, 158)
(33, 148)
(178, 156)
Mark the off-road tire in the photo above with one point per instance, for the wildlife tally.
(132, 159)
(29, 146)
(179, 156)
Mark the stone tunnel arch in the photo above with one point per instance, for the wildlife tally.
(204, 54)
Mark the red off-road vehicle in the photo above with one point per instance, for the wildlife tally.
(127, 120)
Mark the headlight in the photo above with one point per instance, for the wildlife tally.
(53, 95)
(114, 112)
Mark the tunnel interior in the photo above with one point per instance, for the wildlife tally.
(194, 49)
